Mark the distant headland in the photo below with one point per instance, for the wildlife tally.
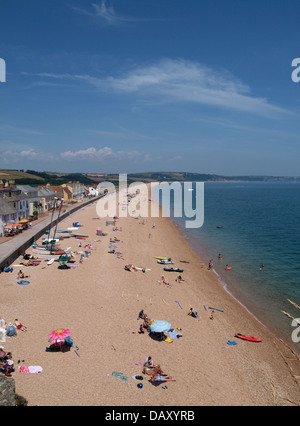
(32, 177)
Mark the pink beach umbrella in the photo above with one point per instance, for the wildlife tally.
(59, 334)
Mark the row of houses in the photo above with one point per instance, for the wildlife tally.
(21, 202)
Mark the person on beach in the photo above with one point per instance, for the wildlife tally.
(193, 313)
(20, 326)
(21, 274)
(161, 378)
(7, 368)
(210, 264)
(148, 362)
(151, 371)
(146, 323)
(141, 314)
(212, 315)
(158, 376)
(142, 329)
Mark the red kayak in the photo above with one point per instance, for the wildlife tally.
(249, 338)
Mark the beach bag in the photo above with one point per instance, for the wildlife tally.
(11, 330)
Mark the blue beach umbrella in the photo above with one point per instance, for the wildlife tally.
(160, 326)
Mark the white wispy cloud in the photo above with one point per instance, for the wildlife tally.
(106, 14)
(25, 154)
(93, 154)
(89, 153)
(180, 81)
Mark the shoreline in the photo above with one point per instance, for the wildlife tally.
(229, 290)
(99, 301)
(236, 293)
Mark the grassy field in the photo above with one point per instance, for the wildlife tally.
(17, 174)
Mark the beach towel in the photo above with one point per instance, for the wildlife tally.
(120, 375)
(30, 369)
(174, 335)
(23, 282)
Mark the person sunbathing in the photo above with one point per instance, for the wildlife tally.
(150, 371)
(20, 326)
(157, 378)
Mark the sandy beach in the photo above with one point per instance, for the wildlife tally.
(99, 302)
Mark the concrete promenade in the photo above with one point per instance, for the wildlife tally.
(16, 246)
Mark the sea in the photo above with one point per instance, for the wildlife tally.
(254, 228)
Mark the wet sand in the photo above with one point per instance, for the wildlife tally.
(99, 302)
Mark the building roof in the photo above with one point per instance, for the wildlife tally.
(46, 192)
(27, 188)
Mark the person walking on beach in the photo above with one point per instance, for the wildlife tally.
(211, 264)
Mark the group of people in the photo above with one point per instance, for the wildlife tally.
(155, 372)
(6, 362)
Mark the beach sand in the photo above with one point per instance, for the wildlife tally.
(99, 302)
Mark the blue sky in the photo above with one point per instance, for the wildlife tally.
(150, 85)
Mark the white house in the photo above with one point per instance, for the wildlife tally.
(93, 191)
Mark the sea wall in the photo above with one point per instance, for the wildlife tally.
(15, 247)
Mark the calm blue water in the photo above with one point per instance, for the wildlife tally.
(260, 225)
